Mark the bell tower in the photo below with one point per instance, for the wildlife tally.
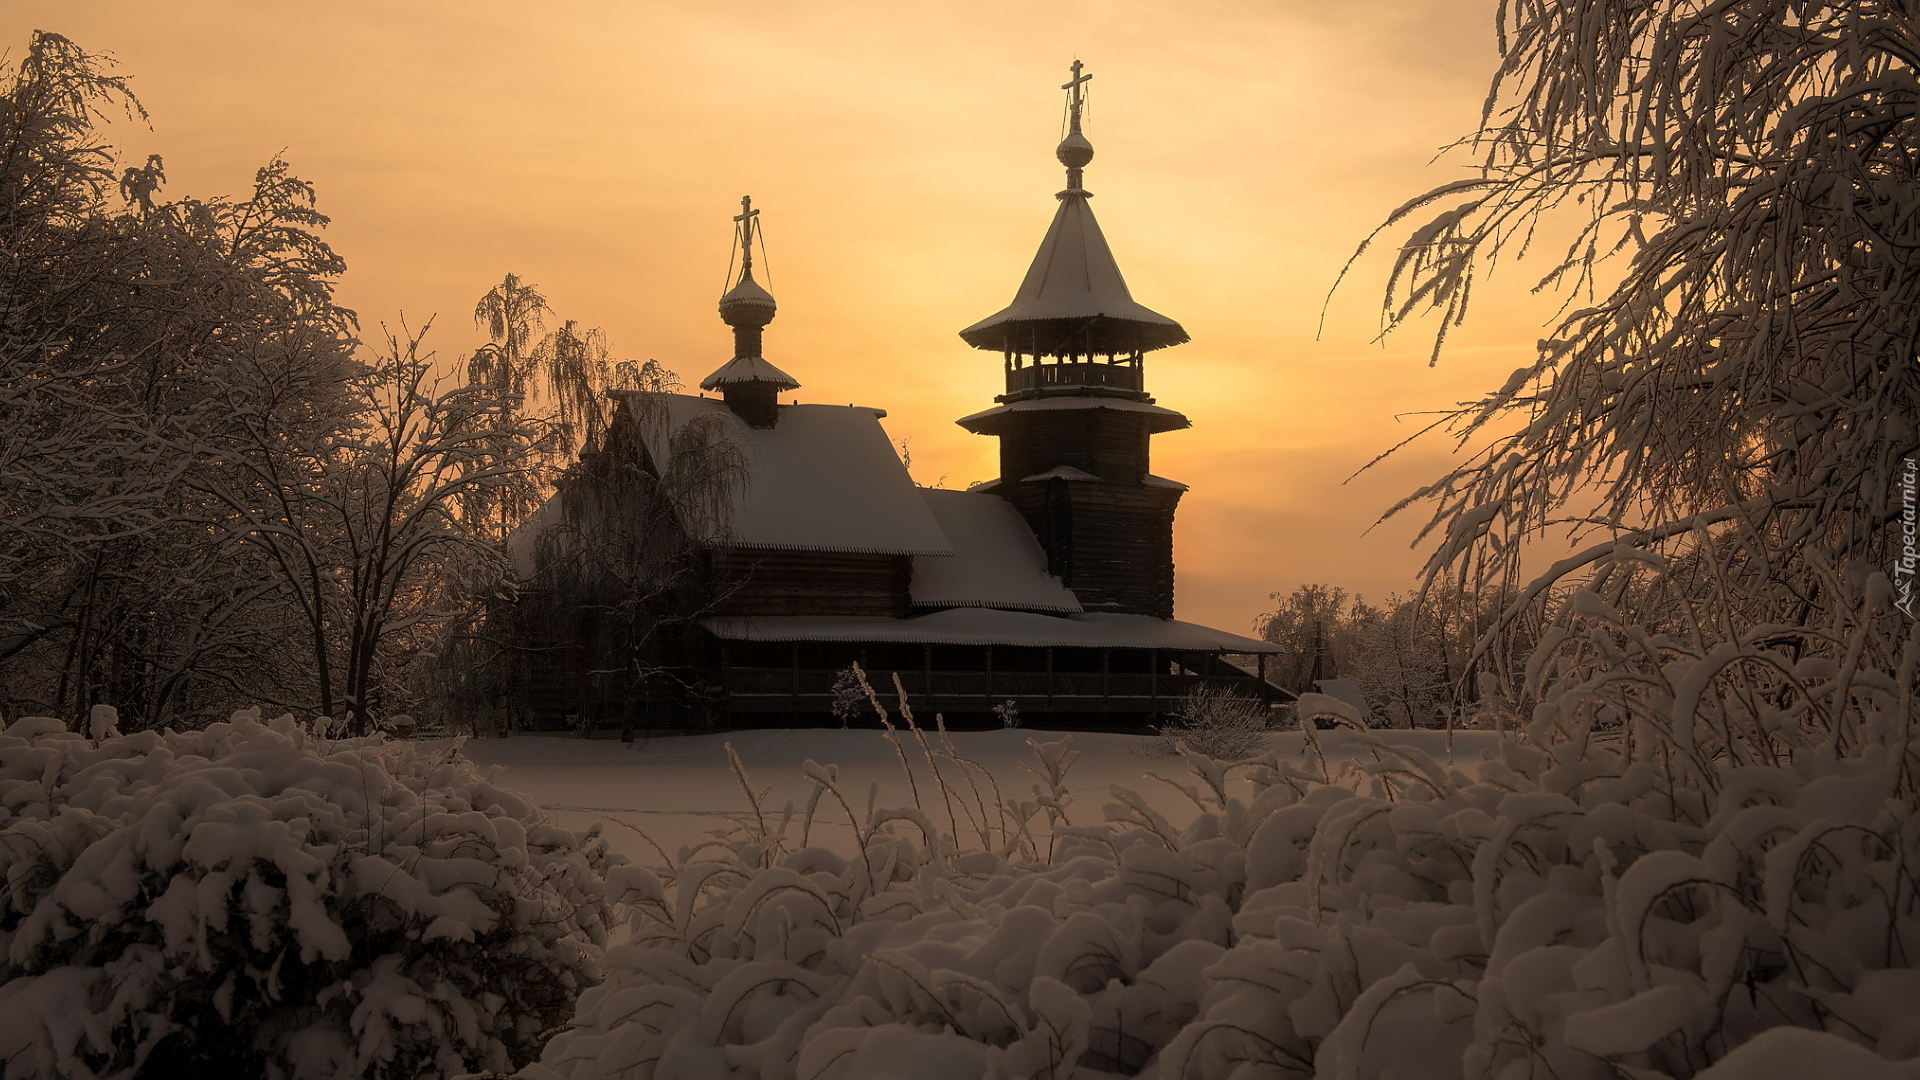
(1075, 421)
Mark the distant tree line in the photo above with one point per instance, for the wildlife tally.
(1412, 655)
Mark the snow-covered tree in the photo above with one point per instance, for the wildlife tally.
(135, 335)
(1397, 664)
(362, 527)
(1314, 624)
(1725, 427)
(559, 378)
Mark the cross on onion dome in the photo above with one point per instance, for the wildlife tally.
(745, 221)
(1074, 151)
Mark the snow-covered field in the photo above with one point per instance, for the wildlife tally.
(675, 791)
(259, 899)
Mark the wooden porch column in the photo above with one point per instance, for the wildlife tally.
(1153, 680)
(1106, 684)
(988, 690)
(725, 704)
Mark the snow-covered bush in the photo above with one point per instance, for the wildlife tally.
(1215, 722)
(252, 900)
(849, 695)
(1564, 908)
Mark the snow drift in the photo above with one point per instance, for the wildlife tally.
(1564, 912)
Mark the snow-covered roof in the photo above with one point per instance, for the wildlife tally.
(986, 626)
(521, 541)
(1063, 472)
(1163, 482)
(1347, 690)
(747, 369)
(986, 421)
(996, 561)
(1073, 295)
(746, 291)
(825, 478)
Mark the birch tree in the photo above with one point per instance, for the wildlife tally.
(621, 541)
(559, 377)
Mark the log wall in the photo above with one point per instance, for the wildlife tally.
(752, 582)
(1112, 544)
(1110, 445)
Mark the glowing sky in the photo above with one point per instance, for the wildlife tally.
(902, 153)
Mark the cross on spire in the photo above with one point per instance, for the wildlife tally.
(1075, 102)
(746, 219)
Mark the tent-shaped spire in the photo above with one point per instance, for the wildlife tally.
(1074, 301)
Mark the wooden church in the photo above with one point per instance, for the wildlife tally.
(1048, 591)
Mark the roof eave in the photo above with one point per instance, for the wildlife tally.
(1097, 334)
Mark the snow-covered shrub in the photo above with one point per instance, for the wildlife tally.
(849, 695)
(1215, 722)
(252, 900)
(1008, 713)
(1560, 909)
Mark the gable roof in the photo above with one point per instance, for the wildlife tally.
(824, 478)
(996, 562)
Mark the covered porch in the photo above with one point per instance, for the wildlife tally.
(1095, 671)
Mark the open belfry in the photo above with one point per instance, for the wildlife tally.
(1076, 422)
(797, 545)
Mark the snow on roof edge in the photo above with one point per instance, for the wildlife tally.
(837, 550)
(1062, 472)
(991, 626)
(994, 605)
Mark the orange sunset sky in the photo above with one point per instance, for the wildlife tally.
(902, 153)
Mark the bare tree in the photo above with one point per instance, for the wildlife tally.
(362, 528)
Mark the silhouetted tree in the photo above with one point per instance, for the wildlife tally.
(138, 338)
(1729, 427)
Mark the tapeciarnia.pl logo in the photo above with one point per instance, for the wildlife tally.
(1904, 563)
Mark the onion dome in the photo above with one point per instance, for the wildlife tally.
(750, 385)
(1074, 151)
(747, 308)
(747, 304)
